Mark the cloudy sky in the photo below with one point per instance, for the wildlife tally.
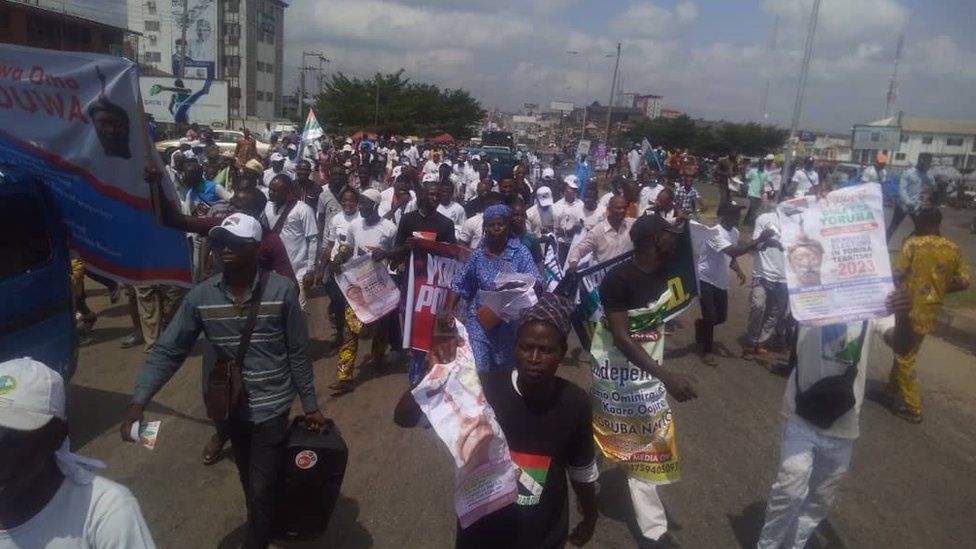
(709, 58)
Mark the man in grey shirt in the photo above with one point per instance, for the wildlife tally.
(274, 369)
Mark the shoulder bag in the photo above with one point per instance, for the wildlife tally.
(224, 383)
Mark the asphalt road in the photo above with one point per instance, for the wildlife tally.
(909, 485)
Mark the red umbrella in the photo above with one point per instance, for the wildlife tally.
(442, 138)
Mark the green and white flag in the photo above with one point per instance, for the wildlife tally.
(312, 129)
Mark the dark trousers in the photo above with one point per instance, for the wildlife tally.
(714, 309)
(753, 210)
(337, 307)
(897, 217)
(259, 452)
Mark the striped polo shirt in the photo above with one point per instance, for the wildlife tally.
(276, 367)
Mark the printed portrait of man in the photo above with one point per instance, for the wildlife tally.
(805, 259)
(111, 124)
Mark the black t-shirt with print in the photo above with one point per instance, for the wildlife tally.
(545, 437)
(626, 287)
(436, 223)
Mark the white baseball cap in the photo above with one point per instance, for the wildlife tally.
(277, 157)
(239, 225)
(408, 141)
(349, 140)
(769, 158)
(347, 148)
(372, 195)
(397, 170)
(544, 196)
(292, 147)
(431, 178)
(31, 394)
(572, 181)
(548, 173)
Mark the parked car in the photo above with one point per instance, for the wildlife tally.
(501, 159)
(225, 139)
(36, 307)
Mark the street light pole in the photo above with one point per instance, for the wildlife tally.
(801, 88)
(613, 90)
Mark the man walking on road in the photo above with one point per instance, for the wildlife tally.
(913, 183)
(295, 223)
(717, 256)
(756, 183)
(634, 284)
(769, 299)
(274, 370)
(822, 424)
(928, 267)
(634, 161)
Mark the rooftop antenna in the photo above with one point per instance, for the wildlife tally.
(893, 83)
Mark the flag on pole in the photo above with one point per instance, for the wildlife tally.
(310, 133)
(647, 153)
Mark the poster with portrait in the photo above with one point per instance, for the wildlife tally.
(368, 289)
(451, 397)
(837, 265)
(73, 121)
(200, 47)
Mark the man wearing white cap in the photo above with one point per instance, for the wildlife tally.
(277, 167)
(411, 153)
(367, 234)
(568, 215)
(49, 497)
(273, 371)
(540, 216)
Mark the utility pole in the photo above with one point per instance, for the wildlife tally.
(184, 22)
(893, 84)
(301, 84)
(801, 88)
(613, 90)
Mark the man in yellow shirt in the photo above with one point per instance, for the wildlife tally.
(928, 267)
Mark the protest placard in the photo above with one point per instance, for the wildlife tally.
(433, 266)
(632, 421)
(451, 397)
(837, 266)
(74, 121)
(368, 289)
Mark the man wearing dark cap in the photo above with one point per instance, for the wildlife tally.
(275, 368)
(717, 255)
(635, 284)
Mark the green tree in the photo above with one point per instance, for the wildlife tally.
(708, 139)
(349, 104)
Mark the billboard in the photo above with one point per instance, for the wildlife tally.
(201, 38)
(185, 101)
(876, 137)
(561, 106)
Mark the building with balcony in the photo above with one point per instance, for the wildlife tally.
(95, 26)
(238, 41)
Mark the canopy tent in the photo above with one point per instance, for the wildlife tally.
(442, 138)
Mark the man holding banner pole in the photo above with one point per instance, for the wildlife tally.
(632, 368)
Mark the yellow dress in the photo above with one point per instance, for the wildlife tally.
(925, 267)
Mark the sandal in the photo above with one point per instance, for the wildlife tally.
(907, 414)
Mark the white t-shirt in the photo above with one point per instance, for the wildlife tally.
(591, 218)
(812, 344)
(102, 514)
(473, 231)
(337, 228)
(769, 264)
(270, 174)
(713, 265)
(648, 197)
(805, 181)
(297, 234)
(567, 215)
(431, 167)
(454, 212)
(386, 204)
(363, 239)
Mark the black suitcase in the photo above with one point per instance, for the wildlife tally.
(315, 464)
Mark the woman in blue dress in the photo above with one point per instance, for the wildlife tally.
(493, 346)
